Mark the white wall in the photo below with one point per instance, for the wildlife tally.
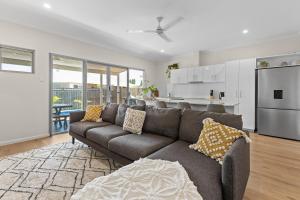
(24, 98)
(262, 49)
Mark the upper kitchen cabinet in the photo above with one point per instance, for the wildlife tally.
(206, 74)
(214, 73)
(219, 73)
(179, 76)
(195, 74)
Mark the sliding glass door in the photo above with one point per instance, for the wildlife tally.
(136, 83)
(67, 91)
(76, 83)
(97, 84)
(106, 84)
(118, 84)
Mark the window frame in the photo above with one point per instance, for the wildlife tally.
(32, 51)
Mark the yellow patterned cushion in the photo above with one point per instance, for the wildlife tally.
(216, 139)
(92, 113)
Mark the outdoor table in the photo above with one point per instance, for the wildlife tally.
(59, 107)
(57, 114)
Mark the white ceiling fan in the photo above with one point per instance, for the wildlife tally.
(160, 31)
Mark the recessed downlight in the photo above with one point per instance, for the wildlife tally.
(245, 31)
(47, 6)
(162, 51)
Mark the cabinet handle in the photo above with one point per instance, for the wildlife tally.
(236, 94)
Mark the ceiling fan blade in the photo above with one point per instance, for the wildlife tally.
(172, 23)
(141, 31)
(150, 31)
(135, 31)
(163, 36)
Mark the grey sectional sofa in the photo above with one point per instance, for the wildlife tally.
(167, 133)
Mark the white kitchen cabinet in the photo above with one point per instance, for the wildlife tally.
(174, 75)
(214, 73)
(179, 76)
(195, 75)
(232, 81)
(219, 73)
(247, 92)
(207, 73)
(240, 88)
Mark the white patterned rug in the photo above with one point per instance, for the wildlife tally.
(54, 172)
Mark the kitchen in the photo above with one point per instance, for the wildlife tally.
(233, 84)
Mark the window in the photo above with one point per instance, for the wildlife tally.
(16, 59)
(136, 82)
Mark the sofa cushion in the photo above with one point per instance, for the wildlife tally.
(121, 114)
(191, 123)
(81, 128)
(102, 135)
(162, 121)
(202, 170)
(134, 121)
(135, 146)
(216, 139)
(122, 111)
(109, 113)
(138, 107)
(93, 113)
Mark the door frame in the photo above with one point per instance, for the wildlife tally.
(51, 55)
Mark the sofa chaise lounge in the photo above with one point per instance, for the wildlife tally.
(167, 134)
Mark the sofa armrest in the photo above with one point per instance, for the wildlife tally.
(76, 116)
(235, 170)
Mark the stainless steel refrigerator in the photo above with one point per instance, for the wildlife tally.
(278, 102)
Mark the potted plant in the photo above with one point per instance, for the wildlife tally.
(263, 64)
(154, 91)
(170, 68)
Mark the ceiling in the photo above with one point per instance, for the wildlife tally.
(208, 24)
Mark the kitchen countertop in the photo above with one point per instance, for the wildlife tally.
(198, 101)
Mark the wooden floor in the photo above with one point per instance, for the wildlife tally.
(275, 169)
(33, 144)
(275, 165)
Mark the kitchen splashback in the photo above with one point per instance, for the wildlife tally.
(197, 90)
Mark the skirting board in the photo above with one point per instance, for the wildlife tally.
(24, 139)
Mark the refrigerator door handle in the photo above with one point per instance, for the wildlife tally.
(240, 93)
(237, 94)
